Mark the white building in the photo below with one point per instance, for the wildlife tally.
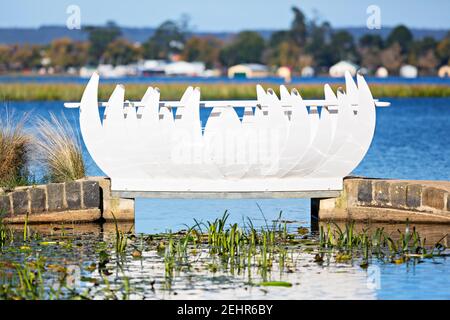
(308, 72)
(444, 72)
(409, 71)
(152, 67)
(183, 68)
(248, 70)
(285, 73)
(339, 69)
(382, 72)
(109, 71)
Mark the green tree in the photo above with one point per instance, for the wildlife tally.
(100, 38)
(392, 58)
(65, 53)
(5, 55)
(204, 49)
(298, 28)
(121, 52)
(443, 50)
(168, 38)
(371, 41)
(25, 57)
(319, 44)
(370, 47)
(247, 47)
(401, 35)
(344, 46)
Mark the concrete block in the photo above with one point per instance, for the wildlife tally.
(413, 196)
(397, 193)
(365, 192)
(433, 198)
(381, 193)
(5, 205)
(91, 194)
(73, 195)
(20, 202)
(55, 196)
(37, 200)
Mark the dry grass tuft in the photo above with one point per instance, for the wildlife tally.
(15, 146)
(61, 150)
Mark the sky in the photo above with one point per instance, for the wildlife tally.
(225, 15)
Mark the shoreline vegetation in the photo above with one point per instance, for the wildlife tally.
(245, 255)
(56, 146)
(216, 91)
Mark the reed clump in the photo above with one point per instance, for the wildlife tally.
(60, 148)
(15, 147)
(210, 91)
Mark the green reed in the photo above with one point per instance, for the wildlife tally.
(172, 91)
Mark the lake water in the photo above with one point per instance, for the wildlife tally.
(411, 142)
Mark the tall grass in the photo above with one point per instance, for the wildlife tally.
(173, 91)
(15, 146)
(60, 147)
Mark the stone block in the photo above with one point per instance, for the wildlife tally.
(55, 196)
(413, 196)
(91, 194)
(37, 199)
(73, 195)
(397, 193)
(5, 205)
(365, 192)
(381, 193)
(433, 198)
(20, 202)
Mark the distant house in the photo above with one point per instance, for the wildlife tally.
(408, 71)
(183, 68)
(109, 71)
(444, 72)
(248, 70)
(382, 72)
(339, 69)
(152, 67)
(285, 73)
(308, 72)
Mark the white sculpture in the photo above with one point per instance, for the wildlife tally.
(279, 144)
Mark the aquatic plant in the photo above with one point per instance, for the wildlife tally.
(15, 147)
(121, 238)
(219, 91)
(260, 256)
(61, 150)
(348, 243)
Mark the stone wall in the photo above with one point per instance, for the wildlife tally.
(84, 200)
(388, 201)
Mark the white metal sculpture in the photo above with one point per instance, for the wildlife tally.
(279, 144)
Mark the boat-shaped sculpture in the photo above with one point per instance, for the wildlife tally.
(270, 144)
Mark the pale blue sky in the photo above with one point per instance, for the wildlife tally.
(224, 15)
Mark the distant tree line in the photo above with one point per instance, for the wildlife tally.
(308, 42)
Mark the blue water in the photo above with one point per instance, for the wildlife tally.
(275, 80)
(412, 141)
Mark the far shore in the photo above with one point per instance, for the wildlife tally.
(210, 91)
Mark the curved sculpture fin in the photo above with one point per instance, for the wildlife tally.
(89, 113)
(114, 111)
(351, 88)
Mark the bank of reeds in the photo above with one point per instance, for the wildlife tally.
(60, 148)
(216, 91)
(15, 146)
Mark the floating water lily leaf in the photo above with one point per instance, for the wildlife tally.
(276, 284)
